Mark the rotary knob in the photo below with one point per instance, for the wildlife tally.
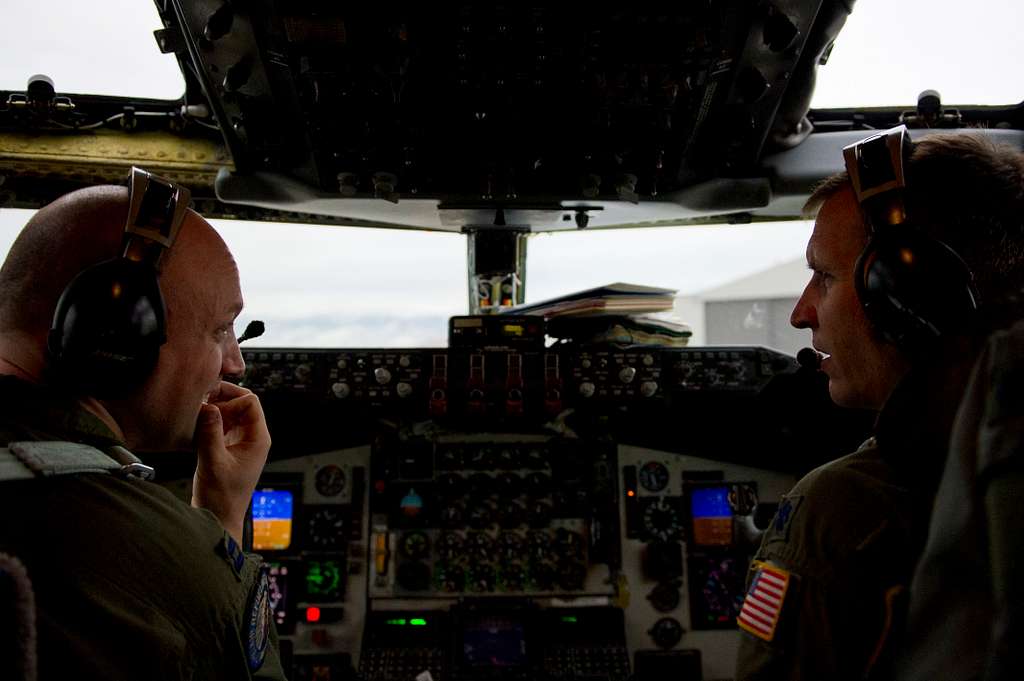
(539, 544)
(413, 576)
(665, 597)
(404, 361)
(538, 484)
(539, 514)
(451, 516)
(481, 515)
(382, 376)
(303, 372)
(627, 374)
(587, 389)
(481, 578)
(449, 546)
(568, 544)
(542, 576)
(449, 578)
(341, 390)
(510, 514)
(512, 577)
(648, 388)
(666, 632)
(510, 546)
(480, 546)
(571, 576)
(403, 389)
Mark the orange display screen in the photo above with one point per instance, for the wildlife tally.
(272, 520)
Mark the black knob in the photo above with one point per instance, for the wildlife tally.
(512, 576)
(571, 575)
(510, 514)
(414, 576)
(450, 578)
(539, 514)
(666, 632)
(449, 546)
(665, 597)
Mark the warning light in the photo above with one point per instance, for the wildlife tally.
(312, 614)
(630, 493)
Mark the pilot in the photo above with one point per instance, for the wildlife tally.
(129, 582)
(895, 303)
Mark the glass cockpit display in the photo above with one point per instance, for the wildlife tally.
(272, 519)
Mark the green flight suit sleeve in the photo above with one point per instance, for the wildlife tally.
(257, 634)
(831, 541)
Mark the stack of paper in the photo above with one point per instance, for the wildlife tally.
(617, 299)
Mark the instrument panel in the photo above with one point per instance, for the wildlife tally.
(492, 524)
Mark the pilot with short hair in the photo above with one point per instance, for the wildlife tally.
(128, 581)
(899, 303)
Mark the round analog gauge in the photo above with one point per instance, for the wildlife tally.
(330, 480)
(654, 476)
(325, 528)
(415, 545)
(661, 520)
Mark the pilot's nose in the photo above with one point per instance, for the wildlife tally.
(233, 364)
(804, 315)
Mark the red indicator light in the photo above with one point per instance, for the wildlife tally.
(379, 486)
(312, 614)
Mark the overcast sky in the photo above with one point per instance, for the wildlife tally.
(331, 286)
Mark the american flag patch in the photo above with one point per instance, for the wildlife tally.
(763, 604)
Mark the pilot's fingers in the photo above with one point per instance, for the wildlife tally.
(243, 420)
(228, 391)
(209, 434)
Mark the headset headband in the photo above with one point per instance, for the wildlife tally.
(876, 169)
(156, 211)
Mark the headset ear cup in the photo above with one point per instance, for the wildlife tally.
(108, 328)
(914, 288)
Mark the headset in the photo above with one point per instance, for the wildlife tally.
(915, 289)
(110, 321)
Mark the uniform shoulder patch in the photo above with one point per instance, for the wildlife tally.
(257, 621)
(779, 529)
(763, 603)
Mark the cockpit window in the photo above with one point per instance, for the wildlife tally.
(101, 47)
(967, 53)
(334, 287)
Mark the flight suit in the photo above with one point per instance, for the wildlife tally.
(966, 609)
(129, 581)
(827, 590)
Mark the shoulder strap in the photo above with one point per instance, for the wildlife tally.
(26, 460)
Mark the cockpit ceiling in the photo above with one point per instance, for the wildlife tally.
(467, 116)
(505, 114)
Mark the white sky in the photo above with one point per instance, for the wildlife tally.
(331, 286)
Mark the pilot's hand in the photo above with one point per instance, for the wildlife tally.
(232, 442)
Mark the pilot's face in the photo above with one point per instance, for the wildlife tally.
(203, 298)
(862, 368)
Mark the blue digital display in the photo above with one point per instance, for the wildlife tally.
(710, 502)
(270, 504)
(271, 520)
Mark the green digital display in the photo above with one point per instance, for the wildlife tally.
(324, 580)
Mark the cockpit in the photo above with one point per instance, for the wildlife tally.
(489, 461)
